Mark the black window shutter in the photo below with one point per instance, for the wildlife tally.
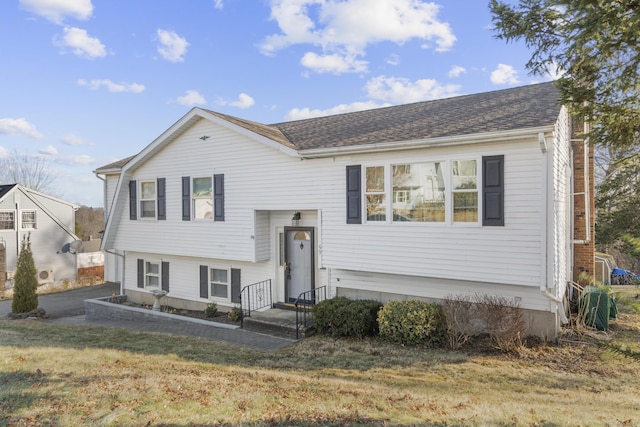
(162, 198)
(218, 197)
(204, 281)
(186, 198)
(493, 190)
(354, 195)
(235, 285)
(141, 273)
(165, 276)
(133, 211)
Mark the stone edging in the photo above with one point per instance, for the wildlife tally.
(105, 309)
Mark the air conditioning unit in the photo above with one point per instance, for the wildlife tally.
(45, 275)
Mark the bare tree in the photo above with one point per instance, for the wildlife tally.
(34, 172)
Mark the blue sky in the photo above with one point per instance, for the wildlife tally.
(87, 82)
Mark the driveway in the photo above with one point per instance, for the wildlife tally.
(67, 303)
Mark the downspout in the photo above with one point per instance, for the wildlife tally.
(545, 184)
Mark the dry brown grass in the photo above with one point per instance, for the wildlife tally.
(64, 375)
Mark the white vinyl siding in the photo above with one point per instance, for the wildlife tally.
(54, 228)
(259, 178)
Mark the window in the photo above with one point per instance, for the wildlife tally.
(219, 283)
(148, 199)
(202, 198)
(418, 192)
(7, 220)
(433, 191)
(465, 191)
(151, 274)
(28, 221)
(375, 194)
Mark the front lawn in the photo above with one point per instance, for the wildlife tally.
(76, 375)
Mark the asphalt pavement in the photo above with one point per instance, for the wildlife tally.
(67, 308)
(67, 303)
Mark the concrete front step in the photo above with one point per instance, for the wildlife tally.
(277, 322)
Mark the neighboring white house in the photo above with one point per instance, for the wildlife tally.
(47, 222)
(464, 195)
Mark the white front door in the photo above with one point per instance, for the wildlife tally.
(299, 266)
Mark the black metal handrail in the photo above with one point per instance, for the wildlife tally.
(254, 297)
(305, 302)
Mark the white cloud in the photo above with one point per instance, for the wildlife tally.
(393, 59)
(244, 101)
(70, 139)
(57, 10)
(19, 127)
(554, 72)
(457, 71)
(172, 47)
(504, 74)
(80, 43)
(49, 150)
(111, 86)
(402, 91)
(80, 160)
(334, 63)
(307, 113)
(218, 4)
(347, 27)
(192, 98)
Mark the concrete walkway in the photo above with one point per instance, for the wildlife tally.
(67, 308)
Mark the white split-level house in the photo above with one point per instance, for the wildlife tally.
(47, 222)
(459, 196)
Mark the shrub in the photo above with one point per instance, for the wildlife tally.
(25, 298)
(504, 321)
(235, 314)
(343, 317)
(211, 310)
(461, 318)
(412, 323)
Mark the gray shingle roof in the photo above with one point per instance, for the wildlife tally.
(4, 189)
(502, 110)
(509, 109)
(119, 164)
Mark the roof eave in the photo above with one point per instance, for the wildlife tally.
(446, 141)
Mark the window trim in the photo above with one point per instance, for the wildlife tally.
(211, 283)
(146, 274)
(35, 219)
(14, 219)
(452, 191)
(193, 199)
(447, 164)
(153, 201)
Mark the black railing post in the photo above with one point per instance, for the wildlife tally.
(254, 297)
(305, 301)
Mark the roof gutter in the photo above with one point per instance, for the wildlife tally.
(446, 141)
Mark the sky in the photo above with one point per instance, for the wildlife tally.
(86, 82)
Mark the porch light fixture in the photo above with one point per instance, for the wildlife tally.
(295, 220)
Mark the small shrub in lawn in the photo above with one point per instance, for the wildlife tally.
(412, 323)
(343, 317)
(235, 314)
(504, 321)
(461, 319)
(211, 310)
